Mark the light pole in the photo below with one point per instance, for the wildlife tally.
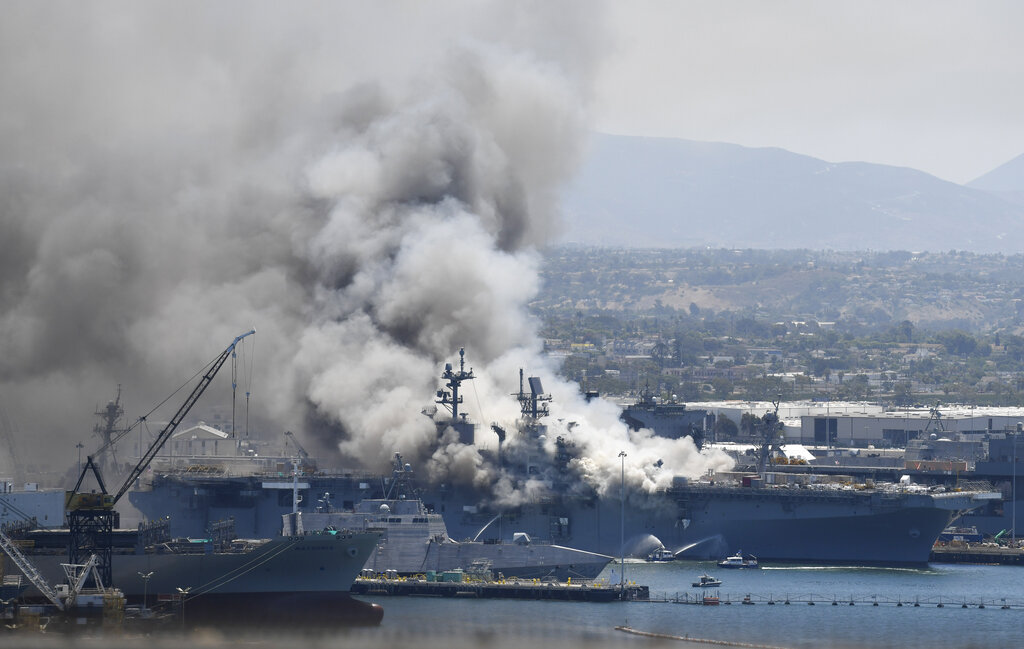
(145, 589)
(622, 526)
(1013, 518)
(182, 592)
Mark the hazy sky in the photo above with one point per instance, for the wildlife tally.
(934, 85)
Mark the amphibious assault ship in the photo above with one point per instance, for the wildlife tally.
(706, 518)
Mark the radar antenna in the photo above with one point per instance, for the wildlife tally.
(402, 482)
(535, 404)
(935, 419)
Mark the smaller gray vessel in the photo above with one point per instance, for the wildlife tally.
(415, 540)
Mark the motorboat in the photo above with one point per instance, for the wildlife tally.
(739, 561)
(707, 581)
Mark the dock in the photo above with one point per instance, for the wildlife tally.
(977, 553)
(504, 589)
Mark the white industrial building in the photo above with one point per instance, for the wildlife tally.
(856, 424)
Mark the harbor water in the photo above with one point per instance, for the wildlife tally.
(797, 625)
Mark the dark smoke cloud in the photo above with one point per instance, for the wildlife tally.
(366, 185)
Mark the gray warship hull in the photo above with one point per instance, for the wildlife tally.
(782, 524)
(415, 541)
(288, 579)
(770, 523)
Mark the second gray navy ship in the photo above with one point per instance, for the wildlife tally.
(415, 540)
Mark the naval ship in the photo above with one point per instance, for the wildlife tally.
(707, 518)
(667, 419)
(416, 540)
(302, 578)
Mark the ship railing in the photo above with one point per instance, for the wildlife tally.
(18, 527)
(976, 485)
(772, 493)
(823, 490)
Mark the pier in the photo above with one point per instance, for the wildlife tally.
(504, 589)
(977, 553)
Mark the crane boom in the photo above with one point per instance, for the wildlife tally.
(298, 447)
(169, 429)
(29, 570)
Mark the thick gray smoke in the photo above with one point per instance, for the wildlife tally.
(367, 187)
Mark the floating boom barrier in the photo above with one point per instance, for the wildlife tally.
(815, 599)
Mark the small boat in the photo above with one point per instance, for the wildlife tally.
(711, 600)
(739, 561)
(707, 581)
(661, 555)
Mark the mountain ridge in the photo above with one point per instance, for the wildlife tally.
(661, 192)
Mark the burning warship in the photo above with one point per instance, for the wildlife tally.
(709, 517)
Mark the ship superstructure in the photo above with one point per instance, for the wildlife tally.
(667, 418)
(415, 540)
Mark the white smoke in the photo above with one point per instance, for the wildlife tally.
(430, 204)
(594, 436)
(365, 186)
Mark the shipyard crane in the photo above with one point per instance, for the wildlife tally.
(91, 516)
(29, 570)
(308, 462)
(298, 447)
(76, 575)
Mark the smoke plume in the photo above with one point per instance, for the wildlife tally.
(366, 186)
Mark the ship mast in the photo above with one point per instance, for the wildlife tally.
(451, 398)
(535, 404)
(935, 418)
(402, 484)
(107, 429)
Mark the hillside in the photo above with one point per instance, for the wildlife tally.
(658, 192)
(978, 293)
(1005, 181)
